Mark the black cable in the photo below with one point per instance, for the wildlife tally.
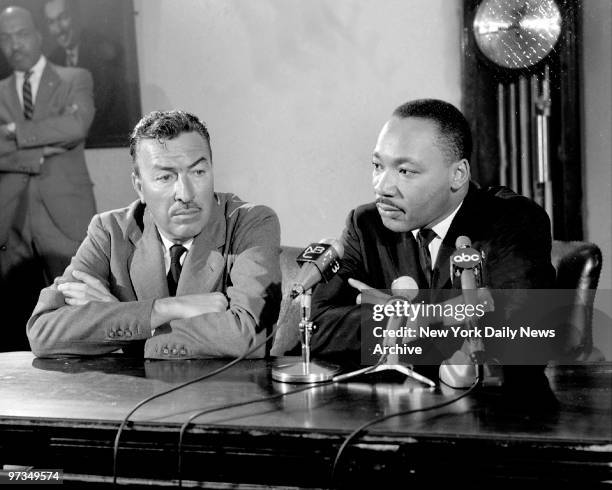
(178, 387)
(363, 427)
(185, 426)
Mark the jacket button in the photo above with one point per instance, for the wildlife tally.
(3, 248)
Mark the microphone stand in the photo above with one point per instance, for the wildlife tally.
(306, 370)
(389, 362)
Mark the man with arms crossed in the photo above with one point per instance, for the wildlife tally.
(193, 272)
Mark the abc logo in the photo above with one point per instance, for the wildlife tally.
(466, 258)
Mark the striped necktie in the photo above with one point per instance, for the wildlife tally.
(28, 103)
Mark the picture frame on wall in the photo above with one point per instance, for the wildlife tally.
(97, 35)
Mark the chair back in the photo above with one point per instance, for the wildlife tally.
(578, 267)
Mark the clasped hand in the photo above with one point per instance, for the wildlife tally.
(86, 288)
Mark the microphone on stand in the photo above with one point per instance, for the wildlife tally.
(319, 262)
(466, 365)
(404, 290)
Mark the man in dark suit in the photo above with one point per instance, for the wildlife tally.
(103, 58)
(424, 201)
(184, 270)
(46, 197)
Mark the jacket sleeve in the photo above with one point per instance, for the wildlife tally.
(70, 126)
(56, 328)
(253, 293)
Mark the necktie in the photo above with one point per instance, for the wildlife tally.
(28, 104)
(424, 237)
(176, 251)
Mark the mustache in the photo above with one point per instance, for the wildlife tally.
(177, 208)
(388, 202)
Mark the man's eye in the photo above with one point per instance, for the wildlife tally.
(199, 172)
(163, 178)
(407, 171)
(376, 165)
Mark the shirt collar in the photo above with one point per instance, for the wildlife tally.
(168, 243)
(442, 227)
(36, 70)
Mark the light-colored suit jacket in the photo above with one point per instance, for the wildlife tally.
(237, 253)
(63, 112)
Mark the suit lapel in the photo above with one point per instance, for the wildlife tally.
(147, 269)
(10, 99)
(205, 262)
(48, 83)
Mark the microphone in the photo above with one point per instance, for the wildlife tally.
(404, 290)
(467, 268)
(320, 262)
(466, 264)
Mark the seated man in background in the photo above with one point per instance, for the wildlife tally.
(425, 200)
(192, 272)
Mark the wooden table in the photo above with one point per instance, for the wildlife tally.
(64, 414)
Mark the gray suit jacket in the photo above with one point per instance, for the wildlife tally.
(63, 112)
(237, 253)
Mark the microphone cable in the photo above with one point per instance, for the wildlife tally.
(186, 425)
(363, 427)
(190, 420)
(225, 367)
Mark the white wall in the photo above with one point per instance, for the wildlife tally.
(597, 28)
(294, 93)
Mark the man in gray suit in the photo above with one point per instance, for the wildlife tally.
(191, 272)
(46, 197)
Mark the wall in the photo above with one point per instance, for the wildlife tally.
(597, 29)
(294, 93)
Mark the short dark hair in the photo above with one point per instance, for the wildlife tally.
(165, 125)
(455, 134)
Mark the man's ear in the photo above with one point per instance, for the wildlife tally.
(460, 174)
(137, 184)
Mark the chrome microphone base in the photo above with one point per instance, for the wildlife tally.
(302, 372)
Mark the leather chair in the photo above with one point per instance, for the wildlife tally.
(578, 266)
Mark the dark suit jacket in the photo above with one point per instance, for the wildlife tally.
(237, 253)
(513, 231)
(63, 112)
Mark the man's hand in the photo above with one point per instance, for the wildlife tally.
(187, 306)
(7, 131)
(86, 289)
(52, 150)
(374, 295)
